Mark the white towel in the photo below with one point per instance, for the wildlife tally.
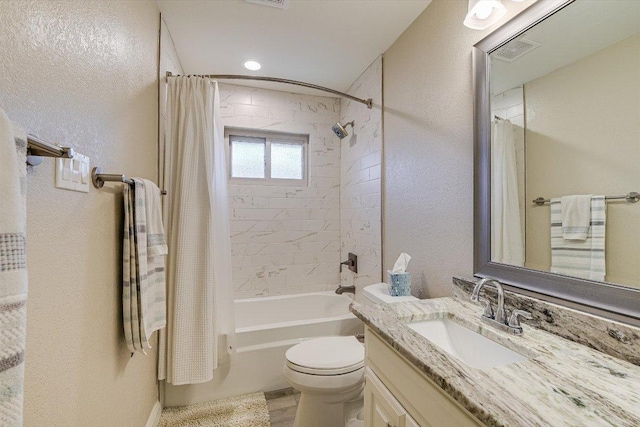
(13, 270)
(143, 252)
(576, 216)
(583, 259)
(153, 297)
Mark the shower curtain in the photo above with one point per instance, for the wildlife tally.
(199, 334)
(507, 243)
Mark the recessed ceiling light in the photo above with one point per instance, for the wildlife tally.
(252, 65)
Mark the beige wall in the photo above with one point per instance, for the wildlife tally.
(428, 145)
(84, 74)
(583, 137)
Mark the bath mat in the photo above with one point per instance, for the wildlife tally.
(249, 410)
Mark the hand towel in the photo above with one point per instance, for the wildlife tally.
(13, 270)
(144, 249)
(130, 274)
(584, 259)
(576, 216)
(153, 297)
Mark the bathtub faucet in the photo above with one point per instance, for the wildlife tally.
(343, 289)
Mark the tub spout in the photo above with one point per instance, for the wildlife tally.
(343, 289)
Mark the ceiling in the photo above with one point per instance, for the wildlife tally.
(324, 42)
(579, 30)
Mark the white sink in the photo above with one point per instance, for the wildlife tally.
(465, 345)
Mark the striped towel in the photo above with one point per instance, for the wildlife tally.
(576, 216)
(584, 259)
(13, 270)
(143, 254)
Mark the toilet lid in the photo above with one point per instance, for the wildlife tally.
(326, 356)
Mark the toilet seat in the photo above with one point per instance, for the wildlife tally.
(325, 372)
(326, 356)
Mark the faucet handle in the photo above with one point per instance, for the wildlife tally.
(488, 310)
(514, 321)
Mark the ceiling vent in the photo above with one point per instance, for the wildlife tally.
(280, 4)
(514, 49)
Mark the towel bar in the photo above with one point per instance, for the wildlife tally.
(632, 197)
(99, 178)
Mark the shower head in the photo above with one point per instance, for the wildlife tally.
(341, 130)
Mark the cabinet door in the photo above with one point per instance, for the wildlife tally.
(381, 409)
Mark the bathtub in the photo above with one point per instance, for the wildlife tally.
(265, 329)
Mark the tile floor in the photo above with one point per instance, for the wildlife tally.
(282, 405)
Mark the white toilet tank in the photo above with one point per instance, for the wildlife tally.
(379, 294)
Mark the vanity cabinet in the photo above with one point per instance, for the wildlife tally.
(381, 408)
(399, 395)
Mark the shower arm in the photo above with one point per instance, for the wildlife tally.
(367, 102)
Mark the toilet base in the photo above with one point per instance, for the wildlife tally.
(314, 411)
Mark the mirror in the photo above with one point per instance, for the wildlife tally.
(558, 153)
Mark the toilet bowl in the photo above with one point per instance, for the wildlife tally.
(329, 373)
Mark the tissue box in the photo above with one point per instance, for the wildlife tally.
(399, 284)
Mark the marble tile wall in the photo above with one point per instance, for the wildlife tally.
(360, 188)
(286, 240)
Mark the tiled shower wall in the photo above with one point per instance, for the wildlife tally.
(360, 201)
(286, 240)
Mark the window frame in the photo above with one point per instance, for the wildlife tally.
(268, 137)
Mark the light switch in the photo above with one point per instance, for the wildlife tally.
(85, 173)
(66, 169)
(73, 174)
(76, 170)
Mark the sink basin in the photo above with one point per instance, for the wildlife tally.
(465, 345)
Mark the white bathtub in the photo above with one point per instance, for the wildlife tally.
(265, 329)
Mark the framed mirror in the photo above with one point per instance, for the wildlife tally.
(557, 154)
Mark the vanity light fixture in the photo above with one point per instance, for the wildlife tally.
(251, 65)
(483, 13)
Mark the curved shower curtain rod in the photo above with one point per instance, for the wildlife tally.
(367, 102)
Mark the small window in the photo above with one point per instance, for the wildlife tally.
(248, 157)
(267, 158)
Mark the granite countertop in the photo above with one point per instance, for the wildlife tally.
(563, 383)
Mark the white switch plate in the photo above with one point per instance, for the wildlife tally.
(73, 174)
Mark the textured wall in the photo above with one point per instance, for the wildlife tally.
(360, 183)
(83, 74)
(286, 240)
(428, 145)
(583, 137)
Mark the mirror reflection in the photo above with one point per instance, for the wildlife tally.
(565, 108)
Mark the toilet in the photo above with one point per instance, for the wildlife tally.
(379, 294)
(329, 373)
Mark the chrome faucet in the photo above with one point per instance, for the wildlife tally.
(499, 319)
(488, 312)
